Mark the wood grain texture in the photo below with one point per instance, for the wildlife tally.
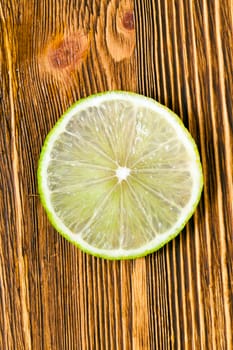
(52, 296)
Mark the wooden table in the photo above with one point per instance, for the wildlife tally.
(52, 296)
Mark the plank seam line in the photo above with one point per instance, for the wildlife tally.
(17, 197)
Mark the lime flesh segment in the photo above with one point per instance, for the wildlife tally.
(119, 175)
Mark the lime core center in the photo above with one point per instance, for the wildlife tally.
(122, 173)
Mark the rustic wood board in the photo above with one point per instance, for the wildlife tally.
(52, 52)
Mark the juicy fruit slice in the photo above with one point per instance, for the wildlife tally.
(119, 175)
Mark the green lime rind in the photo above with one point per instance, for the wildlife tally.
(50, 214)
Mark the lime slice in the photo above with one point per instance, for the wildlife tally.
(119, 175)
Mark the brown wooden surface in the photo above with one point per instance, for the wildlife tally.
(52, 52)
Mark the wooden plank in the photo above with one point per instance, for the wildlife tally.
(52, 296)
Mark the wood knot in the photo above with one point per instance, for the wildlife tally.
(120, 33)
(65, 53)
(128, 20)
